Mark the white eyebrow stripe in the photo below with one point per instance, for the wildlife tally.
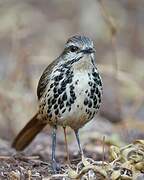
(71, 44)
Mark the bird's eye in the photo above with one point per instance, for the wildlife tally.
(73, 48)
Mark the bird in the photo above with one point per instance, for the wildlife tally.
(69, 94)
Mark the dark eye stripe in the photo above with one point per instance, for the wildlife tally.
(73, 48)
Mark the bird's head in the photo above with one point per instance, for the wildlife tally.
(77, 47)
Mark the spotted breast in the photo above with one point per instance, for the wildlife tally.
(73, 95)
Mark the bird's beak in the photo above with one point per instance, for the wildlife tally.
(88, 51)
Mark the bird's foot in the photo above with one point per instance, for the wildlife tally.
(55, 167)
(85, 161)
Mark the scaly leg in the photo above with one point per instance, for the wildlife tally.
(54, 163)
(84, 160)
(78, 141)
(68, 159)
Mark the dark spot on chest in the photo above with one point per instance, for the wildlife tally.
(55, 106)
(48, 111)
(91, 96)
(94, 85)
(67, 72)
(76, 82)
(71, 87)
(49, 106)
(96, 80)
(56, 95)
(89, 76)
(56, 112)
(53, 101)
(86, 91)
(63, 110)
(99, 94)
(96, 90)
(86, 101)
(63, 83)
(51, 86)
(64, 97)
(61, 105)
(90, 114)
(54, 89)
(99, 100)
(100, 82)
(96, 77)
(59, 100)
(59, 77)
(49, 100)
(71, 101)
(60, 91)
(63, 88)
(56, 83)
(67, 103)
(72, 94)
(69, 80)
(90, 104)
(90, 83)
(95, 74)
(95, 101)
(92, 91)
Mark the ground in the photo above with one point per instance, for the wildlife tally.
(102, 161)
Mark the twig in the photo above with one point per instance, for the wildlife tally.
(21, 56)
(103, 151)
(5, 157)
(29, 174)
(65, 135)
(108, 19)
(113, 31)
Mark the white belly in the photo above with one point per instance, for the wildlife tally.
(79, 114)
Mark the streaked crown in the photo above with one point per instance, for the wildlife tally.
(82, 42)
(78, 46)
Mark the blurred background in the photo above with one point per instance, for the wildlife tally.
(32, 35)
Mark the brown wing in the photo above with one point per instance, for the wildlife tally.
(45, 78)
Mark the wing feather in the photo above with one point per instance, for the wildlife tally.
(45, 79)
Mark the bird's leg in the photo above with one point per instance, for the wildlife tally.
(84, 160)
(78, 141)
(68, 159)
(54, 163)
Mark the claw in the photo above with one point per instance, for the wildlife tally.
(85, 161)
(55, 167)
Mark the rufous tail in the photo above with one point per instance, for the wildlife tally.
(28, 133)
